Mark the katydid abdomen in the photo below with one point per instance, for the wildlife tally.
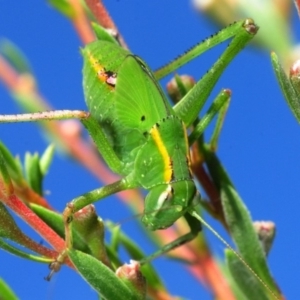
(165, 155)
(162, 167)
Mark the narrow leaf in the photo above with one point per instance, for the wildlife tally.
(248, 283)
(64, 7)
(6, 293)
(239, 221)
(11, 163)
(15, 57)
(46, 159)
(18, 252)
(100, 277)
(10, 230)
(103, 34)
(33, 172)
(291, 96)
(244, 235)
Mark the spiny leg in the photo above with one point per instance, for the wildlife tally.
(188, 108)
(228, 32)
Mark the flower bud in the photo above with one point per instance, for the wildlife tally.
(266, 231)
(132, 275)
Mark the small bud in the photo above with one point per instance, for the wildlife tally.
(295, 76)
(86, 216)
(91, 228)
(266, 231)
(179, 86)
(132, 275)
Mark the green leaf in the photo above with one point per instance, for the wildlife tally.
(10, 230)
(100, 277)
(11, 163)
(223, 265)
(18, 252)
(15, 57)
(46, 159)
(6, 293)
(135, 252)
(103, 34)
(64, 7)
(244, 235)
(216, 170)
(238, 220)
(54, 220)
(291, 96)
(33, 172)
(8, 227)
(6, 186)
(248, 283)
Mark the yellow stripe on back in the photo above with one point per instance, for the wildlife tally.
(164, 153)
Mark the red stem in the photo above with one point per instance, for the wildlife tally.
(102, 16)
(35, 222)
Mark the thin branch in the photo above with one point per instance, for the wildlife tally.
(81, 22)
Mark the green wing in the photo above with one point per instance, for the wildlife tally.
(140, 102)
(101, 57)
(123, 96)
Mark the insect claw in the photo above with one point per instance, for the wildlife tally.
(54, 267)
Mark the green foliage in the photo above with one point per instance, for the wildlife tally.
(145, 139)
(6, 292)
(288, 86)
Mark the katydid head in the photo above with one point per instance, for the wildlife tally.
(165, 203)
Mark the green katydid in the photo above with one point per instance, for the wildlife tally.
(139, 134)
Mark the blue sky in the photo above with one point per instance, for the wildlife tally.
(259, 144)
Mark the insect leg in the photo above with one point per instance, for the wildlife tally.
(188, 108)
(195, 227)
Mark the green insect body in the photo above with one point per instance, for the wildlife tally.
(143, 129)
